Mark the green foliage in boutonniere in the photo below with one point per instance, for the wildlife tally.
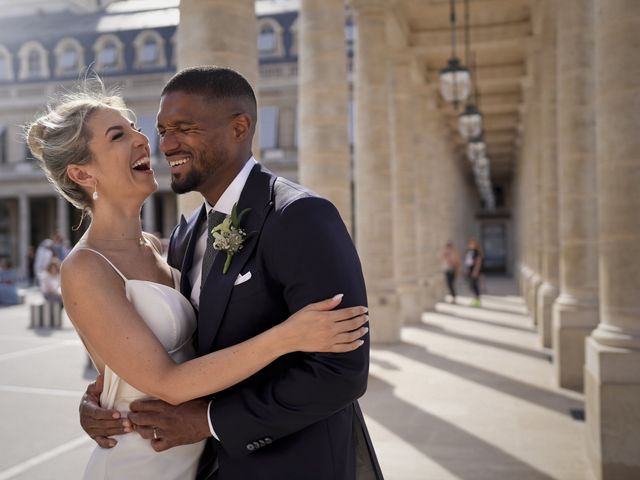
(228, 237)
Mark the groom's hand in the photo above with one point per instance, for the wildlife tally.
(174, 425)
(101, 423)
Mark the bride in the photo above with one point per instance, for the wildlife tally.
(121, 295)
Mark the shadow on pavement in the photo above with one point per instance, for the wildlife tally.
(464, 454)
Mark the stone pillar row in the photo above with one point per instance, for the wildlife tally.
(548, 291)
(575, 312)
(407, 184)
(218, 32)
(324, 161)
(612, 372)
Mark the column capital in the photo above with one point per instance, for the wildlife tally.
(359, 6)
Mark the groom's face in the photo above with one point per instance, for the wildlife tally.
(194, 137)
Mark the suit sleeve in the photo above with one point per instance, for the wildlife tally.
(312, 256)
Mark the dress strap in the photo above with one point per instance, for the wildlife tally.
(107, 260)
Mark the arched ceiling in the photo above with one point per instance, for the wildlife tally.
(501, 35)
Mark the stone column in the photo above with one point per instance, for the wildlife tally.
(218, 32)
(403, 202)
(374, 222)
(548, 291)
(62, 217)
(425, 178)
(612, 372)
(324, 157)
(534, 141)
(575, 312)
(149, 215)
(24, 232)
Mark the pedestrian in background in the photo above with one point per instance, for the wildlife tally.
(451, 267)
(473, 265)
(44, 254)
(50, 282)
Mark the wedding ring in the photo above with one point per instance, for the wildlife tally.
(155, 433)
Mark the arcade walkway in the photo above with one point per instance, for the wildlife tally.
(467, 394)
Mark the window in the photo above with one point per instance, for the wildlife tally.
(69, 56)
(149, 52)
(108, 56)
(33, 68)
(266, 39)
(268, 127)
(269, 37)
(149, 46)
(109, 53)
(69, 59)
(34, 61)
(3, 67)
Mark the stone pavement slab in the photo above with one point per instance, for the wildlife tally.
(466, 394)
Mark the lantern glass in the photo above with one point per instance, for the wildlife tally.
(470, 122)
(476, 149)
(455, 82)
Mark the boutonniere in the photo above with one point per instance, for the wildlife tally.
(228, 237)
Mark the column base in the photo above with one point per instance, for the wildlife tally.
(572, 323)
(410, 299)
(612, 396)
(535, 281)
(385, 316)
(547, 294)
(429, 294)
(525, 272)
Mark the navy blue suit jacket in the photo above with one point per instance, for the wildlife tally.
(298, 418)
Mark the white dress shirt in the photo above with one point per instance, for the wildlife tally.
(224, 205)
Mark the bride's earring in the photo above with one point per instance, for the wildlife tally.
(95, 192)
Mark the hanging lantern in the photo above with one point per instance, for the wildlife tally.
(476, 148)
(470, 122)
(455, 79)
(455, 82)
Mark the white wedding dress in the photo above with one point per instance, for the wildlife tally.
(171, 317)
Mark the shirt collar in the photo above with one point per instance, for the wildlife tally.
(232, 194)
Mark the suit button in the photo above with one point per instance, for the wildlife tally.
(250, 447)
(262, 442)
(256, 445)
(268, 440)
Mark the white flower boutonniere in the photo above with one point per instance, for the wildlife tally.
(228, 237)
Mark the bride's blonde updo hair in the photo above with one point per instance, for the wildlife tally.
(60, 137)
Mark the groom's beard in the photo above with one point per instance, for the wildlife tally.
(202, 168)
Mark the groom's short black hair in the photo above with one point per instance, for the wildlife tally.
(212, 82)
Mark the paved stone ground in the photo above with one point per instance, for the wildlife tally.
(467, 394)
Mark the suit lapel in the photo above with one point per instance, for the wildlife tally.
(214, 297)
(191, 237)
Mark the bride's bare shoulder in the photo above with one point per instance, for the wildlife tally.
(84, 267)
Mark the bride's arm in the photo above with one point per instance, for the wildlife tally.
(94, 297)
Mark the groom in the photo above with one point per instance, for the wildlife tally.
(299, 417)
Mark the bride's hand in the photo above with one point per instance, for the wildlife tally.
(319, 328)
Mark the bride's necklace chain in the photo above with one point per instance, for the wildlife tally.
(141, 240)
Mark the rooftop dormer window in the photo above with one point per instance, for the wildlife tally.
(149, 47)
(109, 53)
(69, 57)
(269, 38)
(33, 61)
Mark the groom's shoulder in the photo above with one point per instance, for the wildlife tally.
(286, 192)
(295, 205)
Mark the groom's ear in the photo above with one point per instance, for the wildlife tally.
(242, 127)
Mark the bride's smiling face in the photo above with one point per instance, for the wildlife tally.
(121, 156)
